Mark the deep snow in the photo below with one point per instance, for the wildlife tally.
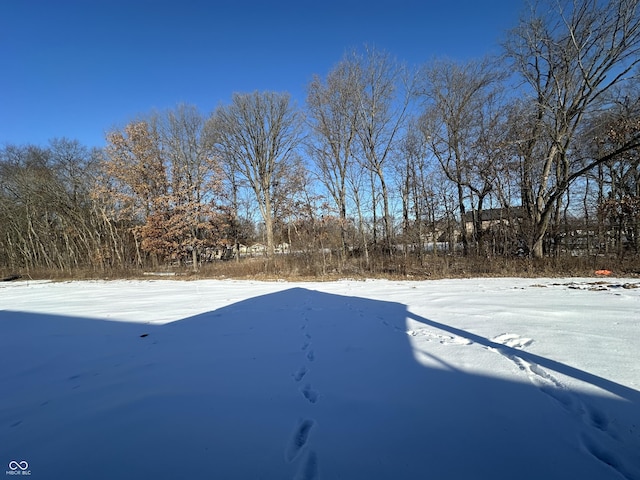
(452, 379)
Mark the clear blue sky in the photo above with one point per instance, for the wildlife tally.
(77, 68)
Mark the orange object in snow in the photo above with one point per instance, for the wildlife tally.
(603, 272)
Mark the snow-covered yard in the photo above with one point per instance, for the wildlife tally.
(452, 379)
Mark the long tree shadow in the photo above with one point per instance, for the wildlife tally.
(295, 384)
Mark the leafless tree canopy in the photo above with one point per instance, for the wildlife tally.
(571, 56)
(258, 134)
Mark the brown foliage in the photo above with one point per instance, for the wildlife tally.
(162, 180)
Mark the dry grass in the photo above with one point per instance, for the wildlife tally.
(324, 268)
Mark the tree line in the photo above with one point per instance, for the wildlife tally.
(533, 153)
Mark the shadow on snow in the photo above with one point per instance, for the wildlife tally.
(296, 384)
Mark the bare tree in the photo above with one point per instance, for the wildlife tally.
(232, 190)
(259, 133)
(459, 121)
(409, 175)
(47, 218)
(383, 93)
(570, 54)
(28, 188)
(355, 179)
(332, 115)
(619, 179)
(75, 166)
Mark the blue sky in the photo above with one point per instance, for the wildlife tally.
(78, 68)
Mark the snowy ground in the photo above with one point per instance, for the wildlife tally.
(453, 379)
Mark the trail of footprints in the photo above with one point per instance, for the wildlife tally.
(597, 438)
(307, 392)
(298, 448)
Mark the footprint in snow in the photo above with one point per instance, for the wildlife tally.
(388, 325)
(599, 420)
(588, 415)
(512, 340)
(300, 373)
(310, 394)
(605, 455)
(298, 439)
(442, 339)
(308, 469)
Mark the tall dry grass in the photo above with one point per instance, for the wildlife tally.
(330, 267)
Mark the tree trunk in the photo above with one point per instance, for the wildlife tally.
(194, 258)
(540, 230)
(463, 226)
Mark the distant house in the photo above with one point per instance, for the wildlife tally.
(257, 248)
(493, 216)
(282, 248)
(240, 249)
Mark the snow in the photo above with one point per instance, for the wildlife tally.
(220, 379)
